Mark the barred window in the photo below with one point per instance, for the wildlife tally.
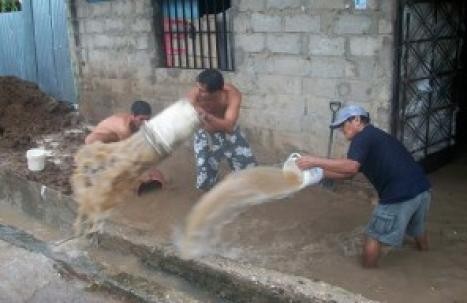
(197, 34)
(10, 6)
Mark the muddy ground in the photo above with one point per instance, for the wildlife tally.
(28, 119)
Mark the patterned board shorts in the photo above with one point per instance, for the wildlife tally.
(210, 149)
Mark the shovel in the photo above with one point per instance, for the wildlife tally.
(334, 106)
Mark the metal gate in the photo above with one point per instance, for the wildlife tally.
(429, 41)
(34, 46)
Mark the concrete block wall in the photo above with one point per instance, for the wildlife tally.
(297, 56)
(292, 58)
(117, 53)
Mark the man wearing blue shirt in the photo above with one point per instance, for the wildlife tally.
(403, 189)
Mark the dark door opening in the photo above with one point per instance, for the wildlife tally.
(429, 79)
(461, 88)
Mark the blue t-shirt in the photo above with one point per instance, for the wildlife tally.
(387, 165)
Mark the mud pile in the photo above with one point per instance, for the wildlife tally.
(26, 112)
(30, 118)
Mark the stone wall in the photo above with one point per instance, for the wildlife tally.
(292, 58)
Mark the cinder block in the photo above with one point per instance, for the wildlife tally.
(302, 23)
(289, 105)
(254, 63)
(82, 10)
(290, 65)
(248, 5)
(102, 41)
(123, 43)
(353, 24)
(281, 4)
(320, 87)
(142, 6)
(100, 9)
(265, 23)
(365, 46)
(357, 90)
(246, 83)
(142, 25)
(326, 4)
(327, 67)
(122, 8)
(242, 23)
(363, 68)
(272, 84)
(94, 26)
(284, 43)
(115, 25)
(385, 26)
(81, 27)
(327, 46)
(251, 42)
(142, 42)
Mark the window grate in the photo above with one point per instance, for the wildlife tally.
(196, 34)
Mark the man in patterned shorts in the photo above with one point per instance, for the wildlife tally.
(219, 137)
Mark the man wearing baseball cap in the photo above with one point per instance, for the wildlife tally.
(403, 189)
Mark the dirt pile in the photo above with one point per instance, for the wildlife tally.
(26, 112)
(30, 118)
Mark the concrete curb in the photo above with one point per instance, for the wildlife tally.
(227, 279)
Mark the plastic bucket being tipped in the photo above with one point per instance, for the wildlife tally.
(36, 159)
(308, 177)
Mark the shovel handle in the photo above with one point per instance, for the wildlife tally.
(334, 106)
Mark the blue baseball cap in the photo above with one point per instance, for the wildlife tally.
(347, 112)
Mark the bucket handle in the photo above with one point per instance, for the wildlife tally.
(294, 156)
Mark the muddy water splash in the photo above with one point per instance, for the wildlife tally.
(226, 200)
(106, 174)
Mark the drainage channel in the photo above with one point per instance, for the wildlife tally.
(121, 275)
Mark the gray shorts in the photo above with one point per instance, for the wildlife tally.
(389, 223)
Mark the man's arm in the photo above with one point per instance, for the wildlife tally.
(332, 175)
(226, 124)
(333, 168)
(101, 137)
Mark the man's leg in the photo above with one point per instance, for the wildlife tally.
(386, 227)
(417, 224)
(209, 150)
(206, 163)
(422, 242)
(371, 253)
(239, 154)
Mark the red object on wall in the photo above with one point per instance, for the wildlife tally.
(175, 31)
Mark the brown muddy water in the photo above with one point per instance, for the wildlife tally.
(232, 196)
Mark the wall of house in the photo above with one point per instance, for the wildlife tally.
(292, 58)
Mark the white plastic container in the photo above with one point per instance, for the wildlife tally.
(171, 126)
(36, 159)
(309, 176)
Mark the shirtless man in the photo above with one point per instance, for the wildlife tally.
(121, 126)
(219, 137)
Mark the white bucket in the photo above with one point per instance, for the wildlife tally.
(36, 159)
(308, 177)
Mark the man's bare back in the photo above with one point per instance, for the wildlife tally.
(112, 129)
